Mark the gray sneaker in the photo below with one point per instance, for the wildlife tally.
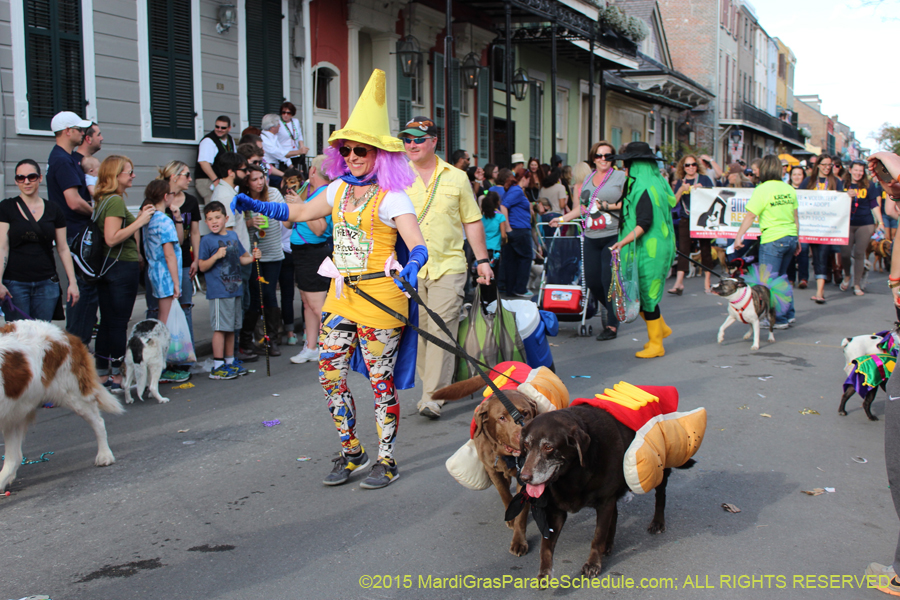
(343, 466)
(885, 578)
(430, 409)
(383, 474)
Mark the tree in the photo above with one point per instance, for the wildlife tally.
(888, 137)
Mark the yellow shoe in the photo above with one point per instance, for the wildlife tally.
(666, 330)
(654, 347)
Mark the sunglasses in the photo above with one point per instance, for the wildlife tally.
(606, 157)
(690, 165)
(30, 178)
(416, 140)
(357, 150)
(226, 127)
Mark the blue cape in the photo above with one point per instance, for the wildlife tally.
(405, 365)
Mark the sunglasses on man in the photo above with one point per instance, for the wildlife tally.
(416, 140)
(360, 151)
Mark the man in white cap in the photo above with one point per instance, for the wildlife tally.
(445, 206)
(66, 187)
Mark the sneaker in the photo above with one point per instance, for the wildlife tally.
(430, 409)
(112, 386)
(792, 320)
(237, 369)
(240, 365)
(306, 355)
(344, 465)
(886, 579)
(223, 372)
(802, 285)
(383, 474)
(525, 295)
(246, 355)
(170, 376)
(292, 339)
(781, 325)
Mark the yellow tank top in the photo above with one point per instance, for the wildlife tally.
(362, 244)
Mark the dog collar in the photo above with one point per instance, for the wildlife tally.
(746, 298)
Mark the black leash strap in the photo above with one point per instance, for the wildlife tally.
(455, 348)
(704, 267)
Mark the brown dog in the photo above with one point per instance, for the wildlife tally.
(882, 251)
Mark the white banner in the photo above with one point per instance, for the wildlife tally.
(718, 212)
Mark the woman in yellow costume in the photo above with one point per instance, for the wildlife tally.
(369, 208)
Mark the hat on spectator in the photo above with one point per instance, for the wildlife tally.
(735, 168)
(67, 119)
(369, 123)
(518, 157)
(420, 126)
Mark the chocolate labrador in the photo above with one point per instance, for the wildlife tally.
(497, 441)
(573, 459)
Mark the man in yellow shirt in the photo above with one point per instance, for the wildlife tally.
(445, 206)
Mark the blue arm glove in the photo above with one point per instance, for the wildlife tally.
(275, 210)
(417, 259)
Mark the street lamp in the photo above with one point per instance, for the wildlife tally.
(520, 84)
(408, 51)
(471, 70)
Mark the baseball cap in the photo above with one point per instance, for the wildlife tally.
(67, 119)
(420, 126)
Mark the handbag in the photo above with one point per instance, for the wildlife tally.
(624, 291)
(59, 313)
(87, 249)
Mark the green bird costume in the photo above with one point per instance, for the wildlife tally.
(655, 249)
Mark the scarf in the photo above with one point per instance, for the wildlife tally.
(352, 180)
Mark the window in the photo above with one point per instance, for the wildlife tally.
(53, 62)
(171, 73)
(616, 138)
(265, 74)
(498, 68)
(484, 114)
(635, 135)
(416, 85)
(562, 119)
(323, 90)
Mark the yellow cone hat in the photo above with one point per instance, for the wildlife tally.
(369, 123)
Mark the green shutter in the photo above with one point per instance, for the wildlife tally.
(265, 83)
(616, 134)
(54, 60)
(534, 120)
(484, 116)
(171, 69)
(438, 97)
(456, 94)
(635, 135)
(404, 96)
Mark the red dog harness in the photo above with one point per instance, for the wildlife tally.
(740, 309)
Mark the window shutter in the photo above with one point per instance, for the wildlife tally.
(171, 69)
(265, 89)
(438, 97)
(616, 138)
(456, 94)
(404, 96)
(534, 121)
(484, 115)
(55, 59)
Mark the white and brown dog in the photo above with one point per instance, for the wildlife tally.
(745, 304)
(41, 363)
(145, 358)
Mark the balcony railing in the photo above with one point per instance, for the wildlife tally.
(742, 111)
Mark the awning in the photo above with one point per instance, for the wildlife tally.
(790, 159)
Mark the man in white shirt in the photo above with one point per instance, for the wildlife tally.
(275, 154)
(216, 141)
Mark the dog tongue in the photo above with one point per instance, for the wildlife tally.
(535, 491)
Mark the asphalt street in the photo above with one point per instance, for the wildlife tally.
(204, 501)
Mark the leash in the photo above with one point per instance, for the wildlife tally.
(262, 309)
(455, 348)
(17, 309)
(704, 267)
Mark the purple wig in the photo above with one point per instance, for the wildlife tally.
(392, 169)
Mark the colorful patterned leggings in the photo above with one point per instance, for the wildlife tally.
(337, 343)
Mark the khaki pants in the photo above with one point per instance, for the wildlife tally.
(444, 296)
(202, 187)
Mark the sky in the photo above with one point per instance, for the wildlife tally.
(846, 53)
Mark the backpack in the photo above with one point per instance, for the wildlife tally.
(87, 250)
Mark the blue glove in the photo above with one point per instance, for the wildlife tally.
(276, 210)
(417, 259)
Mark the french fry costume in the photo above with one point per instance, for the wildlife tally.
(663, 438)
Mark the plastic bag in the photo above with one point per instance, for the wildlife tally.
(487, 338)
(624, 291)
(181, 349)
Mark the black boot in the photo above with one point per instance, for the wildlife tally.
(246, 343)
(274, 328)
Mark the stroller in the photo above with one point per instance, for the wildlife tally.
(563, 291)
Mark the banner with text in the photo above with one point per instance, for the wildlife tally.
(718, 212)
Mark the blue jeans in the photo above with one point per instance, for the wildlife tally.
(37, 299)
(117, 292)
(778, 255)
(185, 299)
(799, 268)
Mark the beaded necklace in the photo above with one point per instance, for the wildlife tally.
(371, 193)
(430, 190)
(291, 129)
(598, 188)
